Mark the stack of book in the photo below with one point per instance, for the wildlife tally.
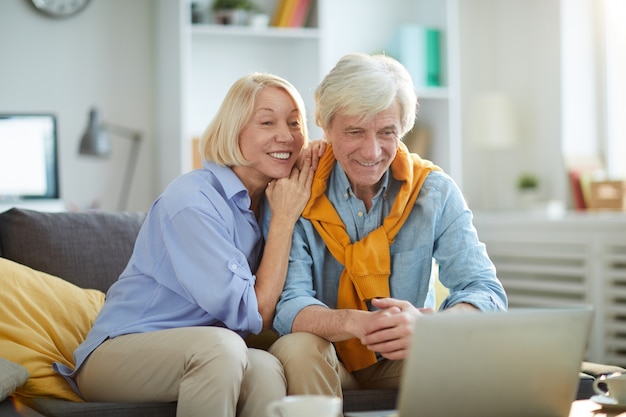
(418, 48)
(291, 13)
(584, 171)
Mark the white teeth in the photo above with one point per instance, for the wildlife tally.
(280, 155)
(368, 164)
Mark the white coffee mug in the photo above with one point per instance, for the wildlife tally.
(305, 406)
(615, 387)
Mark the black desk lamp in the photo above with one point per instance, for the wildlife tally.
(95, 142)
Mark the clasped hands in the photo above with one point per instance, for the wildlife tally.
(389, 329)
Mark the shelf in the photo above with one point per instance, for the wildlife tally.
(246, 31)
(438, 93)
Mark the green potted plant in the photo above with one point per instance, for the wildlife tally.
(527, 182)
(231, 12)
(528, 190)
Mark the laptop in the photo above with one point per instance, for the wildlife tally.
(524, 362)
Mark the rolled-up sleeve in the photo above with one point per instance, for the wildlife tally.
(298, 292)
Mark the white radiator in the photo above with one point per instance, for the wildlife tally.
(571, 260)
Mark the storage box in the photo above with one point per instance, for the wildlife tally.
(607, 195)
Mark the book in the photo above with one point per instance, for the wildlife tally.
(576, 189)
(433, 57)
(300, 13)
(278, 12)
(418, 49)
(287, 13)
(581, 170)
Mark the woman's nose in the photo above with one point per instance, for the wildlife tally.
(285, 135)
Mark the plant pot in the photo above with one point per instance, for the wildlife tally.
(528, 198)
(236, 17)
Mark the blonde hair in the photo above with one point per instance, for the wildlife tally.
(220, 141)
(364, 85)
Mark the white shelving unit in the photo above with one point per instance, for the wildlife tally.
(198, 63)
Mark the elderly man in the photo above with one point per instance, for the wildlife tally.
(361, 256)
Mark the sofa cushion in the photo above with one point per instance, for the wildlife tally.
(12, 376)
(12, 408)
(89, 249)
(44, 319)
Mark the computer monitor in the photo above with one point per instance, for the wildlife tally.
(28, 157)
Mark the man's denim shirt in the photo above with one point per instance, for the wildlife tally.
(439, 227)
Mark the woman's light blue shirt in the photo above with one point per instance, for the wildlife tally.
(439, 227)
(193, 264)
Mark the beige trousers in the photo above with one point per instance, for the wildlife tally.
(312, 367)
(209, 370)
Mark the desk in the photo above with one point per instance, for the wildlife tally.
(588, 408)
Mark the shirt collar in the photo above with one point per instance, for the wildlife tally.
(229, 181)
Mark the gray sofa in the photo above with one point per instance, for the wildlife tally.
(90, 250)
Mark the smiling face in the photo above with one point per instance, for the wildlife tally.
(365, 148)
(271, 141)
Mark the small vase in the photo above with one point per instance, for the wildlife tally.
(528, 198)
(235, 17)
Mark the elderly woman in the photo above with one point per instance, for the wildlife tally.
(201, 275)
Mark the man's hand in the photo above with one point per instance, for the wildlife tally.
(389, 330)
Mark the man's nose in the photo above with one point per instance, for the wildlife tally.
(370, 147)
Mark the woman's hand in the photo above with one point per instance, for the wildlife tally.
(314, 151)
(288, 196)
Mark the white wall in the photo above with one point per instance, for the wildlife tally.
(101, 57)
(615, 35)
(513, 47)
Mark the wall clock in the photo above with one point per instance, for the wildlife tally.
(60, 8)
